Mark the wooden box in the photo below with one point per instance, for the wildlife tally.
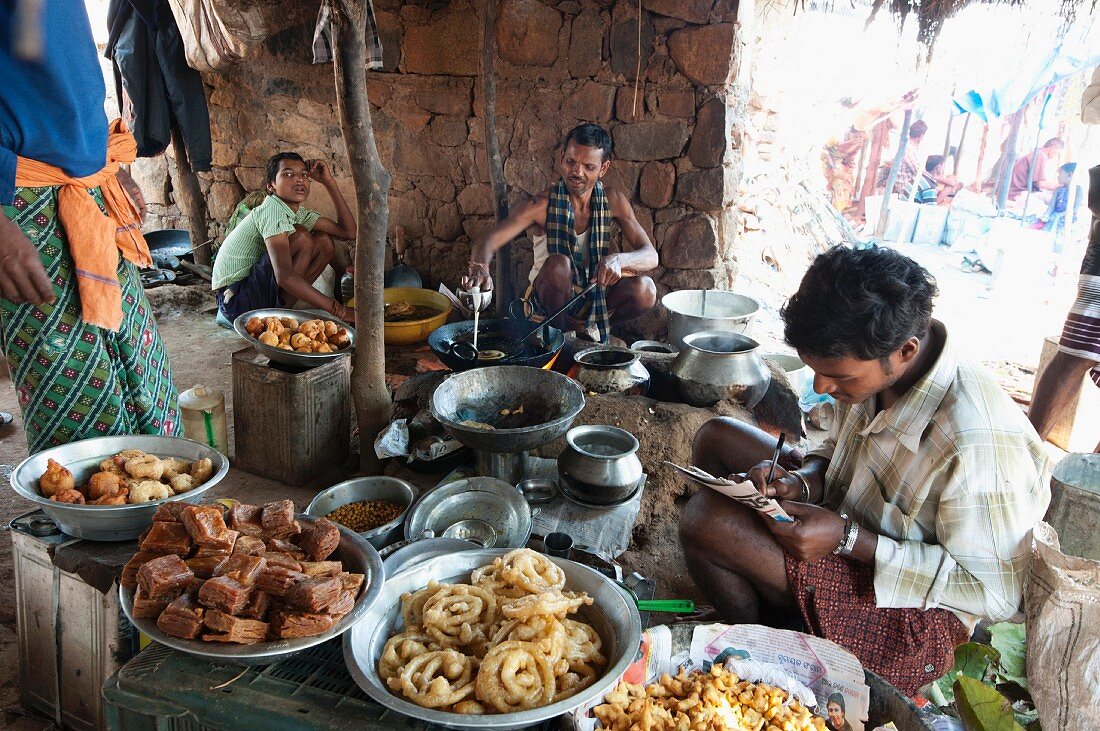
(290, 426)
(1079, 428)
(72, 635)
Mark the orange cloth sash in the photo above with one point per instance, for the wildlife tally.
(94, 237)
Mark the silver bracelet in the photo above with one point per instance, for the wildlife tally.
(805, 486)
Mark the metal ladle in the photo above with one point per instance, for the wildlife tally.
(469, 353)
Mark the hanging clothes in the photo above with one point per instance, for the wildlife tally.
(151, 70)
(322, 36)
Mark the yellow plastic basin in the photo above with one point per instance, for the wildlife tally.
(415, 331)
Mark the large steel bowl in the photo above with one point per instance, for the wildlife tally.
(357, 555)
(547, 342)
(368, 488)
(110, 522)
(613, 615)
(290, 357)
(551, 402)
(481, 498)
(723, 311)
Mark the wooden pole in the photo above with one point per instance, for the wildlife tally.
(880, 229)
(878, 139)
(947, 137)
(372, 184)
(190, 198)
(503, 268)
(977, 184)
(1008, 160)
(858, 182)
(962, 141)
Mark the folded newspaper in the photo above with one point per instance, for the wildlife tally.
(809, 663)
(743, 492)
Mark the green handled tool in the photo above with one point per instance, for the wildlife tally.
(674, 606)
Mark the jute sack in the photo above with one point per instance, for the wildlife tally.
(218, 33)
(1062, 603)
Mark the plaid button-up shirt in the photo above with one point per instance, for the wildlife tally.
(953, 478)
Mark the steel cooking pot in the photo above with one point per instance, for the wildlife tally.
(600, 465)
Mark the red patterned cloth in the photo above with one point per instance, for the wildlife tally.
(907, 647)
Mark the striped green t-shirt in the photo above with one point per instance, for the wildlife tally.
(244, 246)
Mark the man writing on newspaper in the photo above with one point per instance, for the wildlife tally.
(912, 520)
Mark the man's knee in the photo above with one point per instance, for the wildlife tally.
(557, 271)
(642, 292)
(716, 435)
(697, 519)
(323, 246)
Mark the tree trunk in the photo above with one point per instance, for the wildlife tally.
(976, 186)
(962, 143)
(870, 177)
(372, 184)
(191, 199)
(503, 274)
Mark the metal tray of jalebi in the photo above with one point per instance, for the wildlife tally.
(613, 615)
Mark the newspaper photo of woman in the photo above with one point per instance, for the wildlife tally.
(835, 708)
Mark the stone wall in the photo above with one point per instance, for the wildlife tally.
(559, 63)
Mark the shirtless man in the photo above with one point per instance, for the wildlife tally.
(570, 226)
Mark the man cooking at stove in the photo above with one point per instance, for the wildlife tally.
(912, 519)
(570, 226)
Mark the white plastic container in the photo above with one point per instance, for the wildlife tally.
(203, 411)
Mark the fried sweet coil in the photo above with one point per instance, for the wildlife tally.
(490, 579)
(459, 614)
(546, 632)
(437, 679)
(515, 676)
(531, 571)
(582, 644)
(555, 602)
(412, 604)
(401, 648)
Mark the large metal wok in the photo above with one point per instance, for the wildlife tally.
(541, 349)
(488, 396)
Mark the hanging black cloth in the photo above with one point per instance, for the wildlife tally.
(150, 67)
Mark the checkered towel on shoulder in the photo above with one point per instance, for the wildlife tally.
(560, 239)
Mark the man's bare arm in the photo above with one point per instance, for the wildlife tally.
(533, 212)
(642, 255)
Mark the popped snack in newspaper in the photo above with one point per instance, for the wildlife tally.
(743, 492)
(821, 666)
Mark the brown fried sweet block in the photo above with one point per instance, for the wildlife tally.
(242, 568)
(251, 545)
(288, 624)
(225, 594)
(169, 512)
(246, 519)
(352, 582)
(130, 570)
(276, 580)
(322, 568)
(341, 606)
(166, 537)
(313, 595)
(164, 577)
(284, 532)
(258, 604)
(146, 608)
(320, 539)
(181, 618)
(205, 567)
(206, 525)
(220, 548)
(234, 629)
(278, 514)
(275, 558)
(278, 545)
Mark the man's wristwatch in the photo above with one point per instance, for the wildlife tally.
(848, 538)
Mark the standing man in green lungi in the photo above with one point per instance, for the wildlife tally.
(570, 225)
(78, 333)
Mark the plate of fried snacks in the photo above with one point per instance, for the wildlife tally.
(247, 584)
(493, 639)
(107, 488)
(295, 337)
(717, 700)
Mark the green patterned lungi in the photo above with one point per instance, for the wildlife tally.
(76, 380)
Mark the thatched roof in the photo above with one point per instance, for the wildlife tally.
(931, 14)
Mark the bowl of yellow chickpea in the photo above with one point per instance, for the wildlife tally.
(373, 507)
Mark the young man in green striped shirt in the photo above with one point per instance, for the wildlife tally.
(281, 247)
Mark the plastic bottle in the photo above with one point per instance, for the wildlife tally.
(203, 411)
(347, 288)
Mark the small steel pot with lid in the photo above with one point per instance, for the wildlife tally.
(714, 366)
(600, 465)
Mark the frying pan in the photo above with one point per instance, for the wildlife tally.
(547, 343)
(401, 275)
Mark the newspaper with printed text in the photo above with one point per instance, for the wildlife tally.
(743, 492)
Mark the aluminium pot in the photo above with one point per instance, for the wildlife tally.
(608, 369)
(696, 310)
(718, 366)
(599, 465)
